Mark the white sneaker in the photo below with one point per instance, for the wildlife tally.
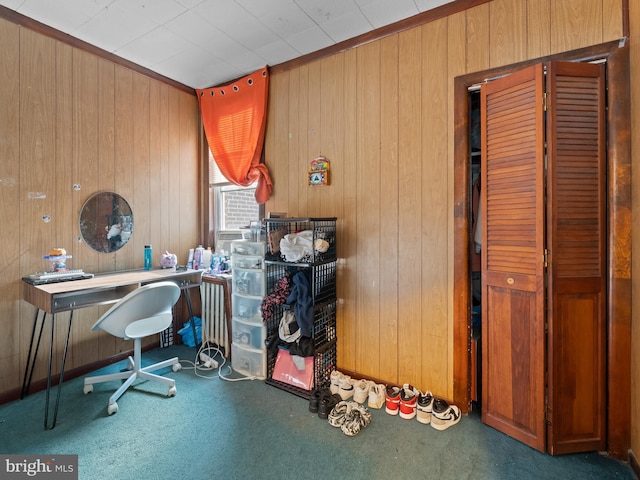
(361, 390)
(376, 395)
(346, 387)
(424, 408)
(336, 376)
(444, 415)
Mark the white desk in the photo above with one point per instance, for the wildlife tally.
(103, 289)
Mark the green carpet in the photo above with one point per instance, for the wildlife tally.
(214, 429)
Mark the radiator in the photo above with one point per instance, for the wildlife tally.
(214, 321)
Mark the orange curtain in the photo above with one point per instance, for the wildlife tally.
(234, 118)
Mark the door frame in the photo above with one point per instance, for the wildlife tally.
(618, 224)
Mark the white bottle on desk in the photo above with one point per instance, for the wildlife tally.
(207, 256)
(197, 258)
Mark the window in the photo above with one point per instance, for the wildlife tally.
(234, 207)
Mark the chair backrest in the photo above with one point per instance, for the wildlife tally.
(154, 299)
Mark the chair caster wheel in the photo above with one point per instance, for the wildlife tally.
(87, 389)
(172, 392)
(176, 367)
(112, 408)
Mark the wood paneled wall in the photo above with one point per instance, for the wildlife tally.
(382, 114)
(68, 117)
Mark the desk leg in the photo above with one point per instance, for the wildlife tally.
(31, 361)
(61, 379)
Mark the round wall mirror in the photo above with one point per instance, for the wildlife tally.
(106, 222)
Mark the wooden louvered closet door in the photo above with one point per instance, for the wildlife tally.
(543, 324)
(576, 239)
(513, 331)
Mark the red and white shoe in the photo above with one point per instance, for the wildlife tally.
(408, 401)
(392, 400)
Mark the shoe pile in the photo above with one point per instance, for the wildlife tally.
(362, 391)
(322, 402)
(412, 403)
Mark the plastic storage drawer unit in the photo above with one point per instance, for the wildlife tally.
(246, 308)
(244, 247)
(248, 282)
(249, 361)
(248, 334)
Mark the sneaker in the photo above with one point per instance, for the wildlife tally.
(408, 401)
(335, 378)
(356, 419)
(444, 415)
(346, 387)
(327, 402)
(339, 413)
(424, 407)
(376, 395)
(361, 390)
(392, 400)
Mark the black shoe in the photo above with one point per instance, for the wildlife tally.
(314, 399)
(327, 402)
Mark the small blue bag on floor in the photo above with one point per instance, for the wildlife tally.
(186, 332)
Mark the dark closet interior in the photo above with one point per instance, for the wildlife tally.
(475, 247)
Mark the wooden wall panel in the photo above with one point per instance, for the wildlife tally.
(142, 196)
(278, 127)
(189, 173)
(314, 140)
(175, 170)
(477, 38)
(508, 27)
(538, 28)
(298, 165)
(369, 227)
(157, 168)
(332, 128)
(347, 246)
(160, 145)
(85, 141)
(410, 177)
(106, 142)
(124, 182)
(575, 24)
(294, 144)
(612, 27)
(389, 205)
(395, 205)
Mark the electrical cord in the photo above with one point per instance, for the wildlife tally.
(212, 352)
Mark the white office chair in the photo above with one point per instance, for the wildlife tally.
(143, 312)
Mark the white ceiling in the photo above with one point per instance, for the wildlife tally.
(203, 43)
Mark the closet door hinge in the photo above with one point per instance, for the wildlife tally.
(544, 101)
(548, 415)
(545, 258)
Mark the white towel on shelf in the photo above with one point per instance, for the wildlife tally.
(296, 246)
